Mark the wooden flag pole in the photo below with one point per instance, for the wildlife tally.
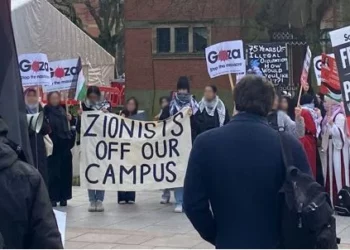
(300, 92)
(232, 83)
(66, 104)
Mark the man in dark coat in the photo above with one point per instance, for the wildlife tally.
(26, 216)
(235, 172)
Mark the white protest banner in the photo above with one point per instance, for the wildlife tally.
(318, 67)
(61, 219)
(306, 67)
(225, 58)
(341, 46)
(64, 75)
(120, 154)
(34, 69)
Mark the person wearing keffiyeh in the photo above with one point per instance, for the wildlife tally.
(181, 99)
(212, 111)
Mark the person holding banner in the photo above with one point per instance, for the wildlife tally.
(94, 102)
(60, 162)
(181, 99)
(37, 142)
(132, 107)
(212, 111)
(335, 143)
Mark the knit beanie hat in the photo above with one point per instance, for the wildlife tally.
(183, 83)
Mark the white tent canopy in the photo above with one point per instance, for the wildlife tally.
(40, 27)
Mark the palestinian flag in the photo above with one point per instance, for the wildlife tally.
(12, 107)
(81, 89)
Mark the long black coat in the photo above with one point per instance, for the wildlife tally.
(26, 216)
(232, 182)
(60, 165)
(37, 145)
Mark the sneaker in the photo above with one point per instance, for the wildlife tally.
(54, 203)
(165, 200)
(178, 208)
(99, 206)
(92, 207)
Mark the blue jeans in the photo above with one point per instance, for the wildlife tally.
(178, 193)
(96, 195)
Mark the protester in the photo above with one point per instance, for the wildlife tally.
(284, 104)
(335, 143)
(235, 173)
(60, 162)
(280, 121)
(163, 102)
(212, 111)
(94, 101)
(182, 99)
(312, 119)
(26, 217)
(132, 107)
(37, 143)
(305, 89)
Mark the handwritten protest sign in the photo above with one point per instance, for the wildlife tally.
(129, 155)
(64, 75)
(34, 69)
(269, 60)
(225, 58)
(330, 85)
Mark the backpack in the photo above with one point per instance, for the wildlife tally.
(272, 119)
(342, 206)
(306, 214)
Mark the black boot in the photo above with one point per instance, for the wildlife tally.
(63, 203)
(54, 203)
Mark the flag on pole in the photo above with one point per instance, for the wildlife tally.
(12, 107)
(80, 92)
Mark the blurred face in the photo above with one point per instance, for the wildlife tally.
(93, 98)
(131, 106)
(55, 99)
(182, 91)
(284, 104)
(306, 87)
(209, 94)
(164, 103)
(275, 103)
(31, 98)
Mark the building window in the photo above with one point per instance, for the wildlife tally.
(163, 40)
(181, 40)
(200, 39)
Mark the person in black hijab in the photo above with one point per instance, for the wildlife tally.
(37, 143)
(60, 162)
(131, 108)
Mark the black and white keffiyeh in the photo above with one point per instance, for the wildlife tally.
(98, 105)
(181, 101)
(210, 108)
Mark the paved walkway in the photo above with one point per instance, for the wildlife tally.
(146, 224)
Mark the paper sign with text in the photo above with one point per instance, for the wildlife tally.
(225, 58)
(330, 85)
(34, 69)
(318, 66)
(120, 154)
(64, 75)
(341, 46)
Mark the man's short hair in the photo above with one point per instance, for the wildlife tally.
(254, 94)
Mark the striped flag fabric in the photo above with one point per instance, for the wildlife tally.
(81, 89)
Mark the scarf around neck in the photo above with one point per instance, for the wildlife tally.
(210, 108)
(181, 101)
(57, 119)
(32, 108)
(97, 105)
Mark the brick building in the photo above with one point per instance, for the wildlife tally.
(166, 39)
